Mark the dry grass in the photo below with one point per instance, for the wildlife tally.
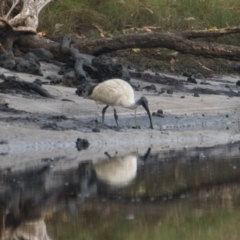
(115, 15)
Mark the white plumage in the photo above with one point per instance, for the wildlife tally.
(116, 92)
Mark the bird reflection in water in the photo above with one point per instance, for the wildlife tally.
(117, 171)
(112, 173)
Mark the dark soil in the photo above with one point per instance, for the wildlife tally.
(158, 60)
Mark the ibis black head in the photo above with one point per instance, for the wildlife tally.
(88, 91)
(85, 90)
(144, 102)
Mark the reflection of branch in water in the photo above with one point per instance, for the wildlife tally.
(24, 203)
(22, 218)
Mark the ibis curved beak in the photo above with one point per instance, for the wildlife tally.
(145, 105)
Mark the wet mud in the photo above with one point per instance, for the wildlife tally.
(147, 83)
(187, 106)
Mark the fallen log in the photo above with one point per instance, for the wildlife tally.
(181, 42)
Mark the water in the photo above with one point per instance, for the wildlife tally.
(172, 194)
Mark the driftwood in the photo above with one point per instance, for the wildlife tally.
(18, 17)
(21, 15)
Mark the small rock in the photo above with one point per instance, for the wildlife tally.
(236, 68)
(61, 72)
(59, 117)
(170, 91)
(160, 111)
(192, 80)
(138, 75)
(186, 74)
(82, 144)
(199, 76)
(196, 95)
(140, 70)
(38, 81)
(70, 75)
(150, 88)
(162, 91)
(28, 66)
(7, 61)
(31, 57)
(53, 82)
(238, 83)
(136, 127)
(156, 114)
(182, 96)
(52, 77)
(95, 130)
(205, 83)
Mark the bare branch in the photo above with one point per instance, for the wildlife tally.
(12, 7)
(41, 4)
(22, 15)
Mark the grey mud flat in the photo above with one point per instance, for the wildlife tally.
(35, 128)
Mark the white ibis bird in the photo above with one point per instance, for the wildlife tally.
(116, 92)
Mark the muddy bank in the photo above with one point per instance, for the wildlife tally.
(187, 111)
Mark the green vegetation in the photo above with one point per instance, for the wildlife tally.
(169, 224)
(113, 16)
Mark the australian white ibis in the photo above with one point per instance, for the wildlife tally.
(116, 92)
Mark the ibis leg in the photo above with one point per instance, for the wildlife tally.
(116, 116)
(136, 117)
(103, 113)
